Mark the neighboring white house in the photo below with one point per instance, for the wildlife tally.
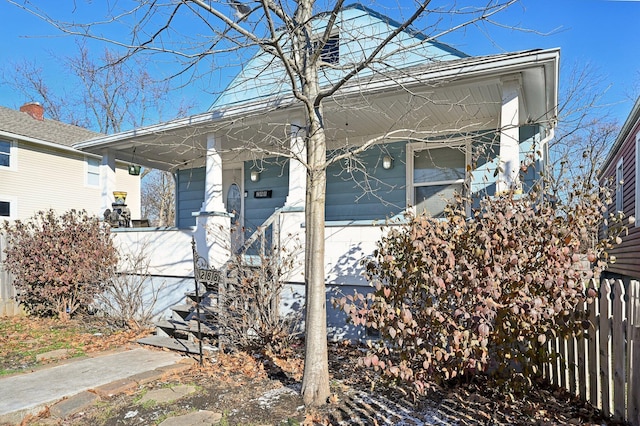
(442, 121)
(40, 170)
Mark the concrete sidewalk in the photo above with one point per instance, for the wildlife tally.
(28, 393)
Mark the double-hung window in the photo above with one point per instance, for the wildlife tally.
(438, 173)
(7, 154)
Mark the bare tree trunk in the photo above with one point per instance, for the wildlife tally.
(315, 381)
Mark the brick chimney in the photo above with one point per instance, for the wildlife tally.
(34, 109)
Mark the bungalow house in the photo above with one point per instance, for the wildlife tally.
(621, 168)
(40, 170)
(434, 120)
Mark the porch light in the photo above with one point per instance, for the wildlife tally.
(255, 175)
(387, 162)
(134, 169)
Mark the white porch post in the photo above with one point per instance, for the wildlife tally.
(297, 170)
(508, 178)
(107, 179)
(212, 231)
(213, 200)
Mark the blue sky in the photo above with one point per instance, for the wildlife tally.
(601, 33)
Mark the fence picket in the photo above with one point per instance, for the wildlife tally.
(618, 351)
(605, 330)
(581, 358)
(633, 353)
(594, 395)
(570, 343)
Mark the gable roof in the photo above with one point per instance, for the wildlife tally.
(360, 30)
(20, 125)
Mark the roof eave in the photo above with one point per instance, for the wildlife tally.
(484, 66)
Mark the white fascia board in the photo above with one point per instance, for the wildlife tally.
(485, 66)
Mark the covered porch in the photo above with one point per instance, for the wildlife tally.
(394, 142)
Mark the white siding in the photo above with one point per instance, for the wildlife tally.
(49, 178)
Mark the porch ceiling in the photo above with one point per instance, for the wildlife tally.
(388, 109)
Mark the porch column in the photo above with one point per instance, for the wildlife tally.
(297, 170)
(508, 178)
(107, 179)
(213, 198)
(212, 233)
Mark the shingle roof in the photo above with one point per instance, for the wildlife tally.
(22, 124)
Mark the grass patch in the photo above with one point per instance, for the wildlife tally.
(22, 338)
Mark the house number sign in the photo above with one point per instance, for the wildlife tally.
(209, 276)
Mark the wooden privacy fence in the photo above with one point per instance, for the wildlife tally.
(603, 366)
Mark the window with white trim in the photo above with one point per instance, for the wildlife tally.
(93, 171)
(619, 186)
(8, 207)
(7, 154)
(437, 174)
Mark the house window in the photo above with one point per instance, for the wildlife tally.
(93, 171)
(331, 50)
(438, 173)
(5, 209)
(7, 154)
(8, 207)
(619, 186)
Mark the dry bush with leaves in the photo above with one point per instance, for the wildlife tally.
(130, 296)
(59, 263)
(250, 302)
(481, 294)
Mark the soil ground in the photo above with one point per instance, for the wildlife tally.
(264, 390)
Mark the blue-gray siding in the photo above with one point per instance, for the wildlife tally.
(190, 195)
(360, 189)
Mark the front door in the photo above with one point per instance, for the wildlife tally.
(234, 204)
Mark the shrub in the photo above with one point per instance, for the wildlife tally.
(250, 303)
(479, 294)
(129, 298)
(59, 263)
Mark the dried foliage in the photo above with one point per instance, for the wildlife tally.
(251, 300)
(59, 263)
(130, 296)
(480, 294)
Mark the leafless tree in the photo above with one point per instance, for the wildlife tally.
(107, 95)
(158, 198)
(203, 34)
(585, 132)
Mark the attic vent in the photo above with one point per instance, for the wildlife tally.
(331, 50)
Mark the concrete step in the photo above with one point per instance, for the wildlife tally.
(175, 344)
(182, 327)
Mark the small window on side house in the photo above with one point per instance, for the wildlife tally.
(619, 186)
(5, 209)
(93, 171)
(5, 153)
